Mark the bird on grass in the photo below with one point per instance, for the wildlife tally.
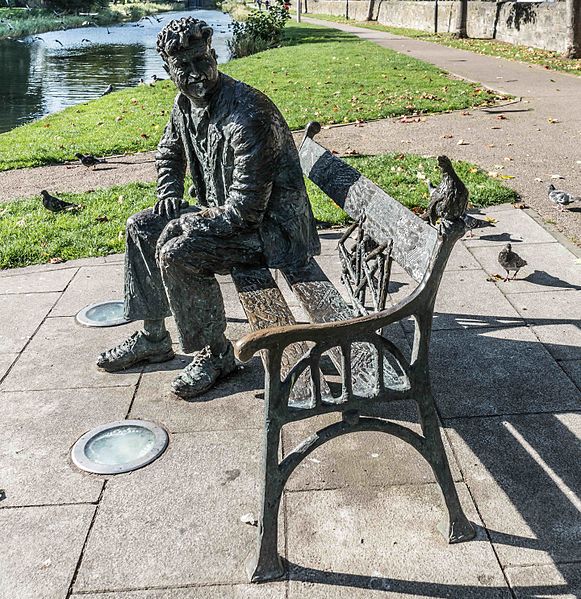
(56, 204)
(108, 90)
(449, 200)
(155, 79)
(510, 261)
(89, 160)
(472, 223)
(561, 198)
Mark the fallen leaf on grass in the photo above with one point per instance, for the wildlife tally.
(103, 218)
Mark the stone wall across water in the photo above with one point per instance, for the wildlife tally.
(538, 24)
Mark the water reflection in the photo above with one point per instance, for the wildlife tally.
(49, 72)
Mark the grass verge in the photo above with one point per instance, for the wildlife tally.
(20, 22)
(319, 73)
(544, 58)
(32, 235)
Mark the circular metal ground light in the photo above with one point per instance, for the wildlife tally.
(103, 314)
(119, 447)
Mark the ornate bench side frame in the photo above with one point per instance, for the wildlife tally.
(265, 564)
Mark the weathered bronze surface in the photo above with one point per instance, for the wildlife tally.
(372, 368)
(252, 207)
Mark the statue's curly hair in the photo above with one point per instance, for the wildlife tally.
(181, 34)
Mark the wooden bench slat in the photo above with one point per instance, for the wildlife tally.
(383, 218)
(265, 306)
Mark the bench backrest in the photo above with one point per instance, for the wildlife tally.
(382, 217)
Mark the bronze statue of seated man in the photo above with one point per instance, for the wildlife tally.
(252, 209)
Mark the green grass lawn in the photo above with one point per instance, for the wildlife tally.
(32, 235)
(545, 58)
(319, 73)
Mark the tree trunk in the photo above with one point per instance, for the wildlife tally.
(371, 10)
(462, 19)
(573, 29)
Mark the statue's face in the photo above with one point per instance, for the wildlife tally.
(194, 71)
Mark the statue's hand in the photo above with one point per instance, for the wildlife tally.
(173, 229)
(169, 207)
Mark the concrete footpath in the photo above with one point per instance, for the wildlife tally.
(359, 517)
(531, 140)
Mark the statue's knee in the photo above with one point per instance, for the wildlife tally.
(169, 255)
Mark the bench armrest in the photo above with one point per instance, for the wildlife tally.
(332, 332)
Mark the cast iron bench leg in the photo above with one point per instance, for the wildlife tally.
(265, 564)
(455, 527)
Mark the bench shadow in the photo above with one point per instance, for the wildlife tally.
(500, 237)
(414, 588)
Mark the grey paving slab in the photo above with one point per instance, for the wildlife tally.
(177, 522)
(274, 590)
(40, 549)
(561, 581)
(523, 472)
(573, 369)
(459, 304)
(92, 284)
(62, 355)
(37, 268)
(481, 372)
(329, 239)
(511, 226)
(6, 360)
(20, 316)
(555, 317)
(231, 405)
(41, 282)
(361, 459)
(461, 259)
(551, 267)
(39, 428)
(355, 542)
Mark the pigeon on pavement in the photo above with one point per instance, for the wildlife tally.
(472, 223)
(561, 198)
(89, 160)
(510, 261)
(56, 204)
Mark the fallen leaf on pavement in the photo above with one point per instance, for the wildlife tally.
(553, 121)
(501, 117)
(461, 142)
(56, 260)
(519, 205)
(557, 177)
(249, 519)
(495, 277)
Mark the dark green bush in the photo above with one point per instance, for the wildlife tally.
(260, 31)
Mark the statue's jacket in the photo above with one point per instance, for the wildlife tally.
(244, 163)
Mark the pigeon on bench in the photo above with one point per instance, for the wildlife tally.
(56, 204)
(561, 198)
(89, 160)
(510, 261)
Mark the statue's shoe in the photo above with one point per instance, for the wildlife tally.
(203, 372)
(138, 348)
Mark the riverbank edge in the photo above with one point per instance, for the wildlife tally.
(112, 15)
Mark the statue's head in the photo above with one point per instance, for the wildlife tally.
(185, 45)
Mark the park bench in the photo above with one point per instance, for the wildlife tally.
(370, 367)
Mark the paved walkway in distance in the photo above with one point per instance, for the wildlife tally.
(358, 520)
(531, 140)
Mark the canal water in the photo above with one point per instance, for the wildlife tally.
(46, 73)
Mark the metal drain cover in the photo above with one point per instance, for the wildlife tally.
(119, 447)
(103, 314)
